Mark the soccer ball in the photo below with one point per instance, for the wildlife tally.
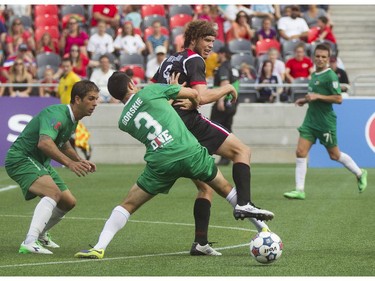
(266, 247)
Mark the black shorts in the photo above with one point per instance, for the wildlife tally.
(209, 133)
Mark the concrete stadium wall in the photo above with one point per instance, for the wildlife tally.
(269, 129)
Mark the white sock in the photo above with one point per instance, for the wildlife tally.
(301, 169)
(57, 216)
(41, 216)
(349, 163)
(116, 222)
(232, 199)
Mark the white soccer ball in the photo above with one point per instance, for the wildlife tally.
(266, 247)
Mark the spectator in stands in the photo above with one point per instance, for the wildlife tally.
(263, 11)
(100, 42)
(179, 41)
(278, 65)
(300, 66)
(267, 31)
(131, 13)
(246, 71)
(157, 38)
(48, 91)
(24, 54)
(79, 61)
(268, 94)
(325, 31)
(3, 34)
(154, 63)
(17, 36)
(341, 73)
(211, 64)
(67, 81)
(18, 74)
(100, 77)
(293, 26)
(73, 35)
(47, 44)
(312, 14)
(231, 11)
(108, 13)
(128, 42)
(240, 28)
(213, 14)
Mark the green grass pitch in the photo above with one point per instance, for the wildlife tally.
(331, 233)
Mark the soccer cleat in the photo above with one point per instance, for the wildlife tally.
(46, 241)
(250, 211)
(206, 250)
(265, 229)
(90, 254)
(362, 181)
(33, 248)
(295, 195)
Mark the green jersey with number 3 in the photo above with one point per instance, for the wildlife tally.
(148, 117)
(320, 115)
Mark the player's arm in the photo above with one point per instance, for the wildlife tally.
(49, 148)
(69, 151)
(211, 95)
(328, 99)
(185, 93)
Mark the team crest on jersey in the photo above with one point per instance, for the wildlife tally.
(316, 82)
(335, 84)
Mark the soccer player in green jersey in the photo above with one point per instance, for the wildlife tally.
(320, 123)
(171, 152)
(27, 162)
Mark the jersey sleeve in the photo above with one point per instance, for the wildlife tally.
(170, 91)
(196, 71)
(50, 124)
(335, 84)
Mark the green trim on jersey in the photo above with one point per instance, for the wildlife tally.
(320, 115)
(166, 139)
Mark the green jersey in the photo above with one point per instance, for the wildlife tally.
(149, 118)
(320, 115)
(55, 121)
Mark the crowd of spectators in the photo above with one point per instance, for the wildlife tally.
(98, 39)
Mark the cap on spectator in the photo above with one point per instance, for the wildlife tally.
(224, 50)
(160, 50)
(333, 59)
(22, 47)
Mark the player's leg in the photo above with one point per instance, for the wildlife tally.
(117, 220)
(233, 149)
(303, 148)
(225, 190)
(202, 212)
(343, 158)
(46, 188)
(66, 203)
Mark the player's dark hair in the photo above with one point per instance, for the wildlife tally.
(324, 47)
(81, 88)
(198, 29)
(118, 84)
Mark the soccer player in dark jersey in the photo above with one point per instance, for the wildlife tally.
(199, 38)
(320, 123)
(27, 162)
(171, 151)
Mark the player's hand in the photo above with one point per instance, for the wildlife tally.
(184, 104)
(79, 168)
(91, 164)
(233, 93)
(300, 102)
(174, 79)
(220, 105)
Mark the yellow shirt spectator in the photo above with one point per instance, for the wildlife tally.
(211, 64)
(67, 81)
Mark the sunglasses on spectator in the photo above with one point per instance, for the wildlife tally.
(74, 50)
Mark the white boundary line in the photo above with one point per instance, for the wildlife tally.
(131, 257)
(9, 187)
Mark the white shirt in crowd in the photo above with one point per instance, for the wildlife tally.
(100, 44)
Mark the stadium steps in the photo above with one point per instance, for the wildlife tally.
(353, 28)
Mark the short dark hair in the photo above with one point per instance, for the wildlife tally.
(118, 84)
(324, 47)
(323, 19)
(81, 88)
(198, 29)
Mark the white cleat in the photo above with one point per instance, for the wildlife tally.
(46, 241)
(250, 211)
(33, 248)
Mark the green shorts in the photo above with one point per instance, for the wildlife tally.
(25, 170)
(158, 178)
(326, 138)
